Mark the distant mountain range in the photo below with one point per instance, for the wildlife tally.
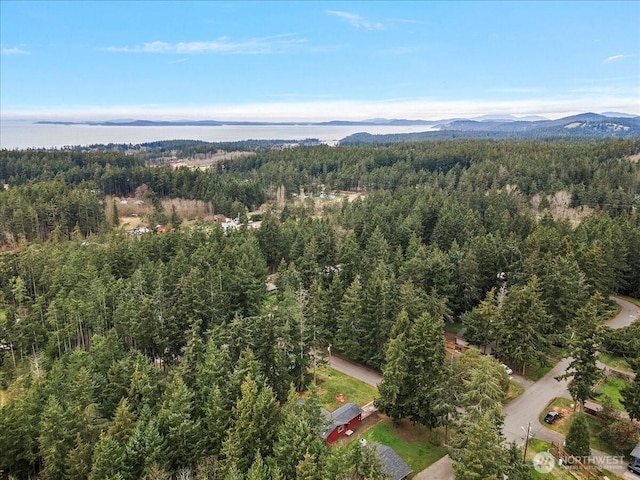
(607, 124)
(585, 125)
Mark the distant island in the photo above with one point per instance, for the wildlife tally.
(588, 125)
(217, 123)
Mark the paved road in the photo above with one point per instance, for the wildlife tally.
(441, 470)
(520, 411)
(627, 315)
(527, 407)
(356, 370)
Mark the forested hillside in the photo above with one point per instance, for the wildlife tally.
(155, 355)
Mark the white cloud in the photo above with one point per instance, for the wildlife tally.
(356, 20)
(222, 45)
(14, 51)
(615, 58)
(407, 20)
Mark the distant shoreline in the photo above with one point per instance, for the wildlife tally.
(217, 123)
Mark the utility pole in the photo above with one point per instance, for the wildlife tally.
(526, 442)
(329, 350)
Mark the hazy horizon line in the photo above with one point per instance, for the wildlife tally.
(321, 111)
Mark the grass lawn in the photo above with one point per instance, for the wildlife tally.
(611, 388)
(412, 442)
(332, 383)
(558, 473)
(535, 371)
(537, 446)
(614, 361)
(565, 407)
(453, 327)
(515, 390)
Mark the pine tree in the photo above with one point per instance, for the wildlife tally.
(179, 425)
(308, 468)
(584, 343)
(483, 457)
(379, 307)
(123, 423)
(258, 470)
(427, 352)
(517, 468)
(146, 446)
(523, 321)
(56, 439)
(215, 422)
(78, 461)
(350, 328)
(174, 219)
(109, 459)
(482, 321)
(115, 218)
(254, 427)
(577, 441)
(298, 436)
(143, 387)
(394, 388)
(414, 370)
(483, 389)
(631, 393)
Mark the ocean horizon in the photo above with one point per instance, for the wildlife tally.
(24, 135)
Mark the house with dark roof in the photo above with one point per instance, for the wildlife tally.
(394, 467)
(341, 421)
(635, 453)
(634, 466)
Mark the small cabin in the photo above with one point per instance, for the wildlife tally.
(341, 422)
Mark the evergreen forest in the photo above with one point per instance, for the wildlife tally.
(163, 355)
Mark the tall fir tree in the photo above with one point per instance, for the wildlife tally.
(584, 343)
(179, 425)
(577, 442)
(394, 389)
(631, 393)
(483, 456)
(108, 460)
(56, 439)
(523, 321)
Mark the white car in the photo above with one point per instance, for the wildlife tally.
(506, 369)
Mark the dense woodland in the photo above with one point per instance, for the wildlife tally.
(159, 355)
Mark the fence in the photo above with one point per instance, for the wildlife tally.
(590, 472)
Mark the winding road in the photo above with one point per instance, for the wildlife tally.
(521, 411)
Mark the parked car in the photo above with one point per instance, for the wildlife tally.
(507, 369)
(635, 466)
(551, 417)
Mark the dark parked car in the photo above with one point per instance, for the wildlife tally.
(635, 466)
(551, 417)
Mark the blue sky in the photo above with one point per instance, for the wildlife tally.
(317, 60)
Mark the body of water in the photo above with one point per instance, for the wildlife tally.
(17, 135)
